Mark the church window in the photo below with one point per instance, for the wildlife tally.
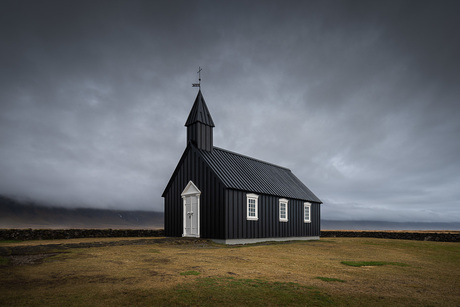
(307, 212)
(283, 208)
(252, 206)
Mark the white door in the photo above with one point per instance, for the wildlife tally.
(191, 197)
(191, 216)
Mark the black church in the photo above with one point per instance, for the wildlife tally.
(231, 198)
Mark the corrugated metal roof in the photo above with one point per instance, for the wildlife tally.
(199, 112)
(248, 174)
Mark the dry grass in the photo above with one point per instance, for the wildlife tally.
(270, 274)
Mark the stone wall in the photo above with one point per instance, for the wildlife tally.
(50, 234)
(441, 236)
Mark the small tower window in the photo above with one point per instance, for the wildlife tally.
(306, 212)
(252, 206)
(283, 207)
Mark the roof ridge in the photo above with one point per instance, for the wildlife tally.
(240, 172)
(251, 158)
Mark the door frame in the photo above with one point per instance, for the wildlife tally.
(191, 190)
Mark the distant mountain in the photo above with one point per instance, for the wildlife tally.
(25, 214)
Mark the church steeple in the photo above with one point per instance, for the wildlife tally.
(199, 125)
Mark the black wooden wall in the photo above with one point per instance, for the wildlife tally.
(192, 167)
(201, 135)
(223, 211)
(268, 224)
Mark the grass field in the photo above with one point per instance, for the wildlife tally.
(332, 271)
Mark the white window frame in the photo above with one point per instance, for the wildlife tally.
(255, 198)
(307, 206)
(282, 202)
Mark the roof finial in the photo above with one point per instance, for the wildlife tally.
(199, 78)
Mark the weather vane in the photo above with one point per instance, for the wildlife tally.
(199, 79)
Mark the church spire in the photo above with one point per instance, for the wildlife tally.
(200, 124)
(199, 112)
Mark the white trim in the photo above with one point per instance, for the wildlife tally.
(255, 198)
(258, 240)
(189, 191)
(283, 201)
(307, 206)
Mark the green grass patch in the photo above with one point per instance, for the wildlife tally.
(3, 260)
(330, 279)
(228, 291)
(190, 273)
(10, 241)
(371, 263)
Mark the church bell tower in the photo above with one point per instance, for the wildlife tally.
(199, 125)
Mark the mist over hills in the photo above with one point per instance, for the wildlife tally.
(16, 213)
(28, 214)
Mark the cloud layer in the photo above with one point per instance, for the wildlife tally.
(359, 99)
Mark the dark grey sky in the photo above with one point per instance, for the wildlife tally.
(360, 99)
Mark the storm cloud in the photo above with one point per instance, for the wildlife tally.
(360, 99)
